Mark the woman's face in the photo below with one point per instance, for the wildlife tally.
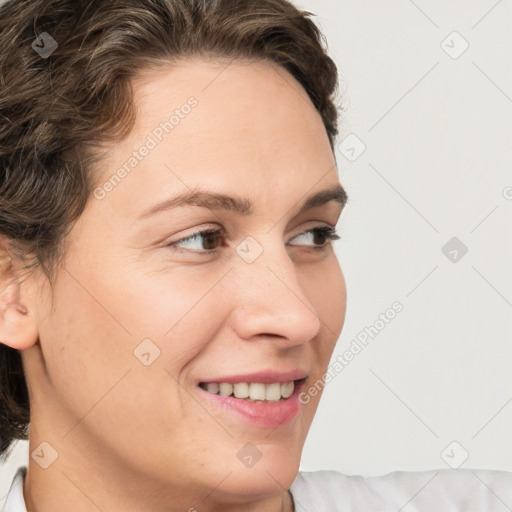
(140, 323)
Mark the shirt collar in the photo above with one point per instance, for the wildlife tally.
(15, 501)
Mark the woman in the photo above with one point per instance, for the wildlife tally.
(170, 292)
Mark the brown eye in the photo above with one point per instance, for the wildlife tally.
(320, 236)
(211, 239)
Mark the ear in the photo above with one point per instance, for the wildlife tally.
(18, 327)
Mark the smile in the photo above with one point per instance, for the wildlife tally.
(271, 404)
(253, 391)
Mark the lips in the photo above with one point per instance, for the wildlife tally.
(265, 377)
(266, 399)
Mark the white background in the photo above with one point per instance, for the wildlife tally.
(438, 138)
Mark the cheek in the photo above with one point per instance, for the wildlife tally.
(158, 298)
(151, 325)
(328, 294)
(336, 298)
(330, 300)
(100, 384)
(85, 349)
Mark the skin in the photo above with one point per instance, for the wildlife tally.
(133, 437)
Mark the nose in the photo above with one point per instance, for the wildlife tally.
(271, 301)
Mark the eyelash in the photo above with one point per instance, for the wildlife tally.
(327, 231)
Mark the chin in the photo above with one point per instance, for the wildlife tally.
(269, 476)
(255, 484)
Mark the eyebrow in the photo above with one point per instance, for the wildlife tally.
(216, 201)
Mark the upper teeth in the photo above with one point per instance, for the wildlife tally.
(253, 390)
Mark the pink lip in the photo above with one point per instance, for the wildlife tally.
(265, 415)
(265, 377)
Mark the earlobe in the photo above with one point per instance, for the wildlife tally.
(18, 327)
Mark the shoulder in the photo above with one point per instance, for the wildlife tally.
(15, 502)
(454, 489)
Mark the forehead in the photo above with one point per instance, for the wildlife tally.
(238, 98)
(252, 129)
(213, 77)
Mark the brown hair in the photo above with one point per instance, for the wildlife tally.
(56, 109)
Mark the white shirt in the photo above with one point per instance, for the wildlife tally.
(438, 490)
